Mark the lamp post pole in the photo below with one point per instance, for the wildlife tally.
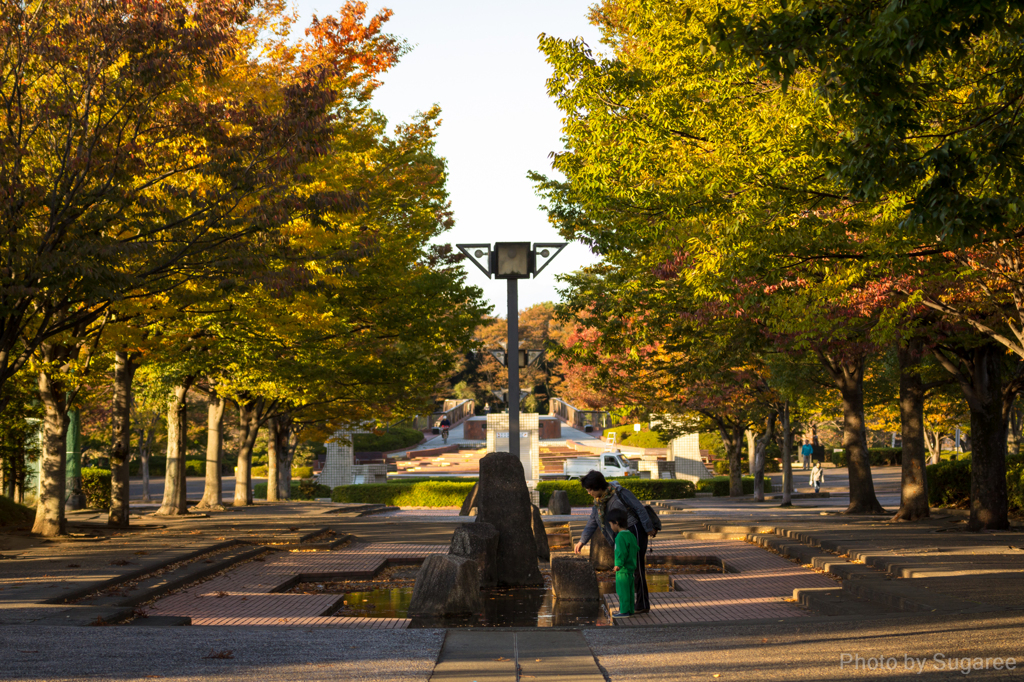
(512, 261)
(513, 367)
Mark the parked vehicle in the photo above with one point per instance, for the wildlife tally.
(611, 464)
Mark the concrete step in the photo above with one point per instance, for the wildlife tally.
(833, 601)
(746, 530)
(480, 655)
(704, 535)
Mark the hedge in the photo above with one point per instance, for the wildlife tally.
(158, 467)
(879, 457)
(297, 472)
(643, 488)
(719, 485)
(395, 438)
(301, 490)
(96, 488)
(406, 494)
(771, 466)
(949, 483)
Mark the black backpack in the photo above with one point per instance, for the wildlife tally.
(655, 521)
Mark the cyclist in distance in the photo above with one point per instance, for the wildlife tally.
(445, 425)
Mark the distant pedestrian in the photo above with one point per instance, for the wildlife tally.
(806, 450)
(817, 476)
(627, 555)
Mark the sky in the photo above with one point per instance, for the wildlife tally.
(479, 61)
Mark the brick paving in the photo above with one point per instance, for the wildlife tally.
(764, 580)
(249, 595)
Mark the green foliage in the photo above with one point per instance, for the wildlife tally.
(879, 457)
(157, 466)
(712, 442)
(395, 438)
(96, 488)
(771, 466)
(645, 439)
(719, 485)
(303, 490)
(297, 472)
(949, 484)
(13, 514)
(405, 494)
(643, 488)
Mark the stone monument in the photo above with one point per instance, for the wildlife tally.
(503, 500)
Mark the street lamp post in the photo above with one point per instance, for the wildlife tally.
(512, 261)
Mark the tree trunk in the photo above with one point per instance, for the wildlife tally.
(989, 507)
(787, 455)
(1015, 423)
(212, 492)
(914, 484)
(751, 447)
(124, 371)
(283, 435)
(848, 376)
(174, 501)
(249, 426)
(50, 520)
(732, 437)
(145, 448)
(272, 463)
(933, 440)
(760, 446)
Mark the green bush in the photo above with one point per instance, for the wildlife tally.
(301, 490)
(157, 466)
(297, 472)
(719, 485)
(643, 488)
(406, 494)
(879, 457)
(949, 483)
(771, 466)
(96, 488)
(195, 467)
(645, 439)
(12, 513)
(395, 438)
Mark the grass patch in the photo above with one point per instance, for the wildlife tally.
(437, 493)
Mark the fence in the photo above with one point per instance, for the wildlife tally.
(596, 420)
(456, 410)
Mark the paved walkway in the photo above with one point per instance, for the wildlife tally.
(250, 594)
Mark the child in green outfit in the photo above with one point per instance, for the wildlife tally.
(626, 552)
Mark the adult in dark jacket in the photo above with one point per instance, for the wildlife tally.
(611, 495)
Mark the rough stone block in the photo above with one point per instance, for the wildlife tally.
(559, 503)
(479, 542)
(446, 585)
(470, 502)
(573, 578)
(540, 535)
(503, 500)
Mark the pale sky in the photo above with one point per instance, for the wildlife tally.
(479, 61)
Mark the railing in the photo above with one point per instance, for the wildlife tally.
(597, 420)
(455, 409)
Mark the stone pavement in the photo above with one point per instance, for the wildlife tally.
(920, 590)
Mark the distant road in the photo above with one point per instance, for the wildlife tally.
(193, 487)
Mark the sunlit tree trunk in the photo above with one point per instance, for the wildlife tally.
(50, 519)
(174, 502)
(213, 490)
(124, 371)
(733, 439)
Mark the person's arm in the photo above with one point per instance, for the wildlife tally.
(621, 552)
(638, 509)
(588, 531)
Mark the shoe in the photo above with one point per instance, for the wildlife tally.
(640, 611)
(619, 614)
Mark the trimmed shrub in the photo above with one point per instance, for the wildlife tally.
(643, 488)
(719, 485)
(406, 494)
(12, 513)
(195, 467)
(297, 472)
(645, 439)
(879, 457)
(771, 466)
(395, 438)
(96, 488)
(301, 490)
(949, 484)
(157, 466)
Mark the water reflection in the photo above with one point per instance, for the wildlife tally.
(519, 607)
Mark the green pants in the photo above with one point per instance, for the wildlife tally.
(624, 588)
